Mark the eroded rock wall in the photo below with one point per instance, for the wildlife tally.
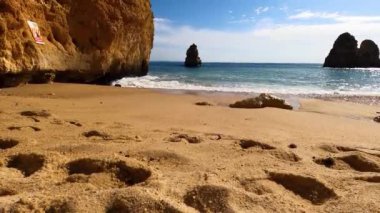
(86, 41)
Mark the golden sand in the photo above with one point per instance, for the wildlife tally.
(83, 148)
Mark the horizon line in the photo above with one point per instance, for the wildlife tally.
(243, 62)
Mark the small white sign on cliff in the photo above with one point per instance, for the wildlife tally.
(35, 32)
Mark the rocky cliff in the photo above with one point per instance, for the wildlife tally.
(346, 53)
(86, 41)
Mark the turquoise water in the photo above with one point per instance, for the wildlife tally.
(257, 78)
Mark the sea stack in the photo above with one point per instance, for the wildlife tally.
(368, 54)
(71, 43)
(192, 57)
(346, 54)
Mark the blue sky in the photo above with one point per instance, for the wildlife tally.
(260, 31)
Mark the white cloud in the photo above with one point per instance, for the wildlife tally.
(309, 15)
(265, 42)
(358, 19)
(162, 24)
(161, 20)
(337, 17)
(261, 10)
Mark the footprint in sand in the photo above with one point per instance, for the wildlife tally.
(356, 161)
(246, 144)
(28, 164)
(34, 115)
(75, 123)
(19, 128)
(209, 198)
(7, 192)
(213, 198)
(339, 149)
(278, 153)
(308, 188)
(62, 206)
(129, 175)
(8, 143)
(97, 134)
(203, 103)
(42, 114)
(135, 201)
(370, 179)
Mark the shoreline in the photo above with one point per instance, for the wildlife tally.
(360, 99)
(373, 100)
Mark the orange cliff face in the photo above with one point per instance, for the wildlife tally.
(85, 41)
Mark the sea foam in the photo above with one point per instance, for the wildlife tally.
(154, 82)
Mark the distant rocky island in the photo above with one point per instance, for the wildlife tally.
(73, 45)
(346, 54)
(192, 57)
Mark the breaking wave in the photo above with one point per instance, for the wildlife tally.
(155, 82)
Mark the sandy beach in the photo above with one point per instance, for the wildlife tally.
(86, 148)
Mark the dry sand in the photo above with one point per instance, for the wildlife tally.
(82, 148)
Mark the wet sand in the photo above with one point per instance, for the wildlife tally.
(85, 148)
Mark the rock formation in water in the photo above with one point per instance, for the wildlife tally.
(192, 57)
(262, 101)
(86, 41)
(345, 53)
(368, 54)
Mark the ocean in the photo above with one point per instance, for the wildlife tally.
(296, 79)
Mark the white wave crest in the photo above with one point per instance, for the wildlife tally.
(154, 82)
(368, 69)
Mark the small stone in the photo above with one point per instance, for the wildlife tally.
(328, 162)
(377, 119)
(194, 139)
(189, 139)
(292, 146)
(215, 137)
